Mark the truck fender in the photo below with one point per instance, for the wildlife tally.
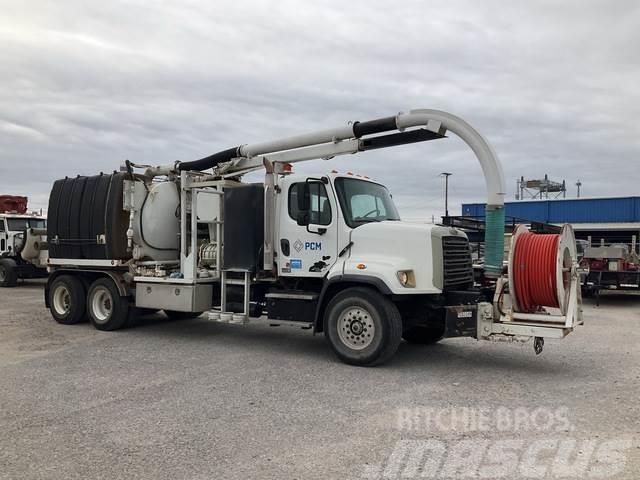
(339, 282)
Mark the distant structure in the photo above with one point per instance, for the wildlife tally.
(540, 188)
(578, 184)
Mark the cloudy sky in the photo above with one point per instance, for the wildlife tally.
(554, 86)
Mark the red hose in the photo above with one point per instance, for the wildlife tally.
(534, 276)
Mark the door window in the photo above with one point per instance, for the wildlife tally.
(320, 207)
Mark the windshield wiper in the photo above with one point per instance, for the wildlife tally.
(366, 220)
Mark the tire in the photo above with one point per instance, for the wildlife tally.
(8, 275)
(363, 327)
(67, 300)
(106, 308)
(175, 315)
(423, 335)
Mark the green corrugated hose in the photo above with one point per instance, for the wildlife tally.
(494, 240)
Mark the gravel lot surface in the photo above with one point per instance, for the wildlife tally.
(199, 400)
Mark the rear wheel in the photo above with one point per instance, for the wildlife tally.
(423, 335)
(362, 326)
(67, 300)
(107, 309)
(8, 275)
(175, 315)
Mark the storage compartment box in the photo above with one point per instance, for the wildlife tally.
(296, 307)
(179, 297)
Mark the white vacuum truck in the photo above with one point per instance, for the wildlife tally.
(326, 252)
(22, 242)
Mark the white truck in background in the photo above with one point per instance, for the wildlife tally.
(23, 249)
(326, 252)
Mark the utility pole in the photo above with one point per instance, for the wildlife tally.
(446, 176)
(578, 184)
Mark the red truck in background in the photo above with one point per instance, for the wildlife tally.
(13, 204)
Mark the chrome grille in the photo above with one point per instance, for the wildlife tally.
(457, 266)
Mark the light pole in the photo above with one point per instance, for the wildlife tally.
(446, 176)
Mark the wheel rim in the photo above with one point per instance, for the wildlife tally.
(61, 300)
(356, 328)
(101, 304)
(3, 274)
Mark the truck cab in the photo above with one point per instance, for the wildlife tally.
(337, 225)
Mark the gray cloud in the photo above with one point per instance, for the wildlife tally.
(551, 84)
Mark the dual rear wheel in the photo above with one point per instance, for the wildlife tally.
(71, 301)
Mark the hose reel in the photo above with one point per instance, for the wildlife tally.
(541, 270)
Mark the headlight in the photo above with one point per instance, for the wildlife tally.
(407, 278)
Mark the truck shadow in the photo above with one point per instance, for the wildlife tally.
(29, 284)
(287, 342)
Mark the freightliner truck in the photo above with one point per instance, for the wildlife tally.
(325, 252)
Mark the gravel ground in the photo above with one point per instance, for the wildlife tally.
(200, 400)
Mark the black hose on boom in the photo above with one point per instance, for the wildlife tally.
(210, 161)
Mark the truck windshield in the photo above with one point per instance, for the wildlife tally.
(363, 202)
(19, 224)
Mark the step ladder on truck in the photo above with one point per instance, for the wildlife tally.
(326, 252)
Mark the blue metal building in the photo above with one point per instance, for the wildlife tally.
(613, 218)
(577, 210)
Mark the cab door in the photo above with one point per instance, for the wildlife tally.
(307, 235)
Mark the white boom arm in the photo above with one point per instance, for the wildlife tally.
(349, 139)
(361, 136)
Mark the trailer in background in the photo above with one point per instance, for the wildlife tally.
(610, 267)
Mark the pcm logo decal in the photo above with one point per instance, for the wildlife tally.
(314, 246)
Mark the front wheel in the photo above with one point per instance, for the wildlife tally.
(362, 326)
(106, 308)
(8, 275)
